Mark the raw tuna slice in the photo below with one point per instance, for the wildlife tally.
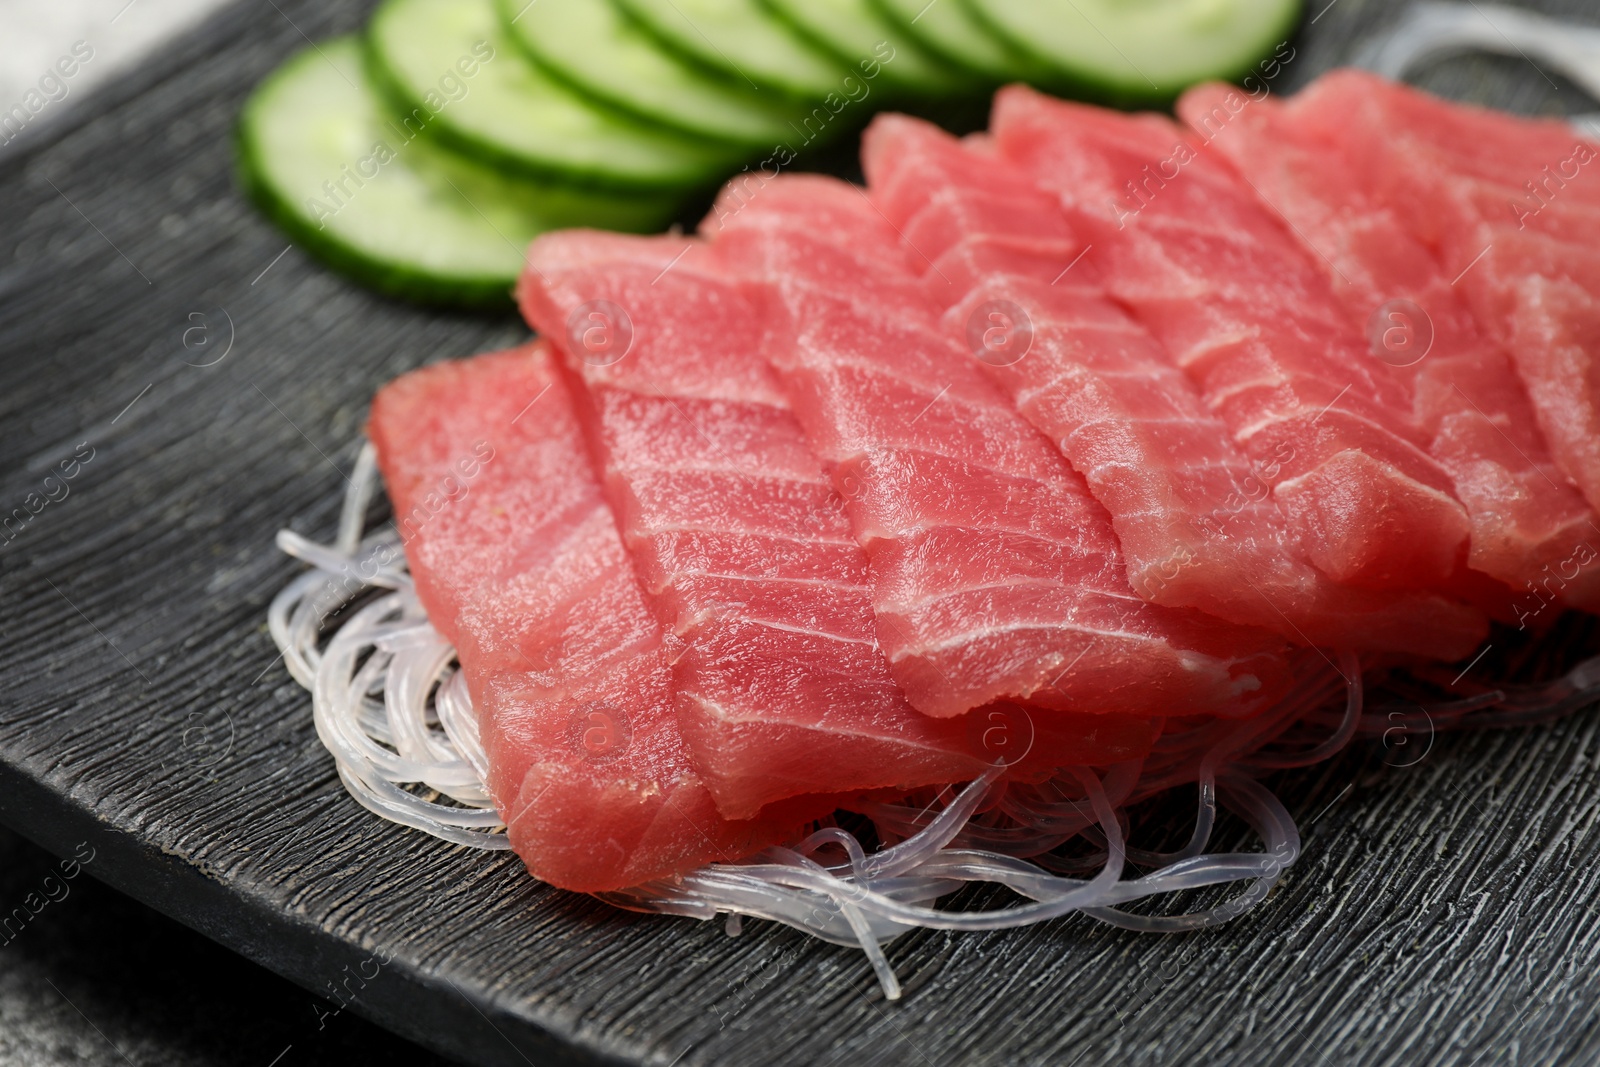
(995, 573)
(518, 561)
(1510, 208)
(782, 689)
(1555, 331)
(1526, 517)
(1197, 526)
(1236, 301)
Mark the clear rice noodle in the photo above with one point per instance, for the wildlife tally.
(394, 711)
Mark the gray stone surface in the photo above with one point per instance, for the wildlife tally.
(111, 35)
(121, 30)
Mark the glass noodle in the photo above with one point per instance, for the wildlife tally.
(392, 707)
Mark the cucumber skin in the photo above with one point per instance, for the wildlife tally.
(899, 92)
(560, 76)
(1075, 86)
(556, 74)
(489, 293)
(667, 43)
(888, 14)
(1024, 69)
(393, 94)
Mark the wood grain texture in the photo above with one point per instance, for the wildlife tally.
(96, 975)
(1447, 912)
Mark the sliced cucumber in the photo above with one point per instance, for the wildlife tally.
(596, 50)
(322, 159)
(509, 114)
(741, 42)
(1140, 51)
(853, 32)
(948, 30)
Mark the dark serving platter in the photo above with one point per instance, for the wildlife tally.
(212, 384)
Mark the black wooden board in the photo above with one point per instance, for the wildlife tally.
(1444, 912)
(96, 976)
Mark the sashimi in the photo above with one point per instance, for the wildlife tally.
(1196, 522)
(1526, 517)
(1234, 299)
(518, 561)
(995, 573)
(1511, 208)
(743, 546)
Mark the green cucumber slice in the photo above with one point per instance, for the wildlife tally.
(597, 51)
(947, 29)
(324, 161)
(853, 32)
(740, 41)
(509, 114)
(1139, 52)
